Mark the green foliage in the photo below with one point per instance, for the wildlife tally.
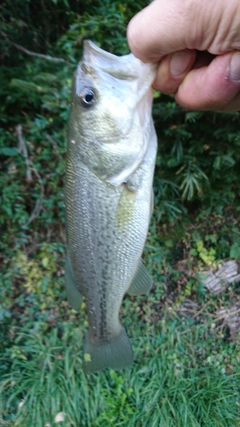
(186, 373)
(171, 383)
(117, 402)
(199, 156)
(235, 250)
(206, 255)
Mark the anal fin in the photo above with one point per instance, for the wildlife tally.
(73, 294)
(142, 282)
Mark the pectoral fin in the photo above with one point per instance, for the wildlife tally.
(142, 282)
(73, 295)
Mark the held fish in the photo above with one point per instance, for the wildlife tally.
(110, 164)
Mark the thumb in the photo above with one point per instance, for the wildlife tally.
(157, 30)
(167, 26)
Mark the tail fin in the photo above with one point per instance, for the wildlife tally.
(116, 354)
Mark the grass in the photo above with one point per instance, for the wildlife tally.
(178, 380)
(187, 363)
(186, 371)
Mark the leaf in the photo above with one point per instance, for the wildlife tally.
(87, 357)
(8, 151)
(235, 251)
(45, 262)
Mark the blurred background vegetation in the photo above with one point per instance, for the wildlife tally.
(186, 371)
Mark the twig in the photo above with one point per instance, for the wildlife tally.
(29, 52)
(54, 144)
(80, 39)
(228, 314)
(38, 205)
(202, 309)
(36, 211)
(22, 149)
(39, 55)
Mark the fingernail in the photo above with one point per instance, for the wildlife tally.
(234, 68)
(179, 63)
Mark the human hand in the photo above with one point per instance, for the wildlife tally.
(197, 45)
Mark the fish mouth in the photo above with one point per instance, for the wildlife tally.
(126, 67)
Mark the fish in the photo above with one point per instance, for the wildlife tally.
(110, 165)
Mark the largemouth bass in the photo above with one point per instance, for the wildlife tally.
(110, 164)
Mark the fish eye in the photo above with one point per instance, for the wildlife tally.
(87, 97)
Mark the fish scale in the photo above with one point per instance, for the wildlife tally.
(108, 197)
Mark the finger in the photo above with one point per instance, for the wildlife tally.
(213, 87)
(172, 69)
(146, 31)
(167, 26)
